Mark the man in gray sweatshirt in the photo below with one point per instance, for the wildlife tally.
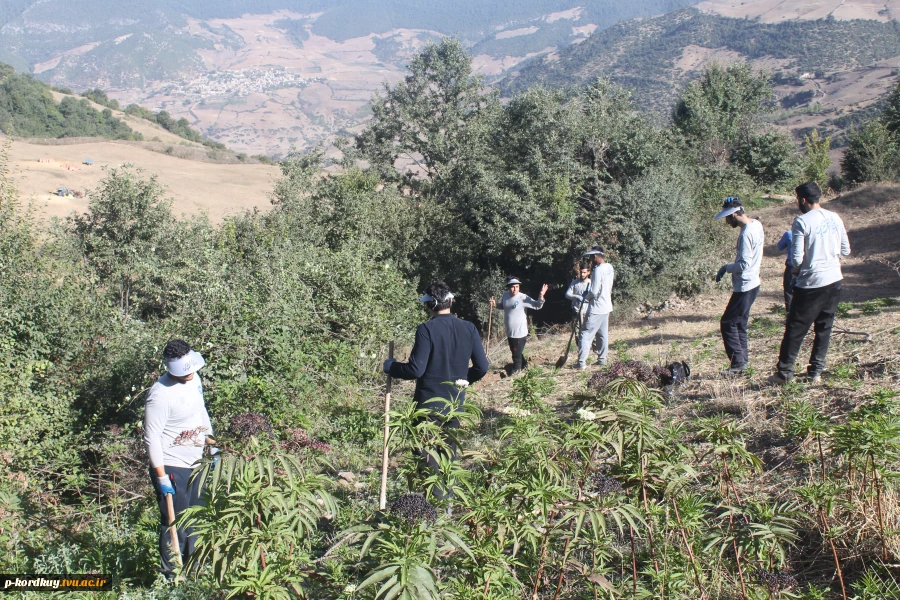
(818, 242)
(745, 283)
(176, 428)
(598, 297)
(514, 302)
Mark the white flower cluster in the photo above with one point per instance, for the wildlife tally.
(587, 415)
(461, 383)
(514, 411)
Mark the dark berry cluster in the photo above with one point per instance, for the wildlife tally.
(246, 425)
(298, 439)
(600, 485)
(775, 581)
(632, 369)
(413, 508)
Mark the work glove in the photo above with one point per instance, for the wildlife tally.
(166, 485)
(793, 284)
(720, 274)
(387, 365)
(215, 462)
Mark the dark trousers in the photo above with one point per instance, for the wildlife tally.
(812, 306)
(787, 282)
(185, 495)
(517, 347)
(734, 326)
(431, 460)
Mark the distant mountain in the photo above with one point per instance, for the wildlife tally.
(127, 42)
(824, 68)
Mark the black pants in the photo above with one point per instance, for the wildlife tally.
(185, 495)
(430, 460)
(734, 326)
(786, 282)
(517, 347)
(812, 306)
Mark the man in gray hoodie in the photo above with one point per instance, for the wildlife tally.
(818, 242)
(598, 297)
(745, 283)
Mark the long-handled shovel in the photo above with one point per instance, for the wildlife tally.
(575, 322)
(173, 534)
(382, 501)
(487, 346)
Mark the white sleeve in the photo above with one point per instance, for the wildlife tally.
(156, 414)
(845, 241)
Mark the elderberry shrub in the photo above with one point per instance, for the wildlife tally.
(413, 508)
(249, 424)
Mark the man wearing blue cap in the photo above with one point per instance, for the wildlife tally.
(176, 429)
(598, 297)
(745, 283)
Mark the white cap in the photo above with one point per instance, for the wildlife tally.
(185, 365)
(731, 205)
(428, 298)
(512, 281)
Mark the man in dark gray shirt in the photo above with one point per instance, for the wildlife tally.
(441, 354)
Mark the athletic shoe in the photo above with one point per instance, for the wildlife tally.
(813, 377)
(734, 371)
(580, 366)
(777, 379)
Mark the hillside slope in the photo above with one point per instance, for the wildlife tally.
(218, 189)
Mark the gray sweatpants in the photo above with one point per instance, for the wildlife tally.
(594, 326)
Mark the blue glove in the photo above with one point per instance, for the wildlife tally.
(215, 462)
(720, 274)
(166, 485)
(585, 295)
(387, 366)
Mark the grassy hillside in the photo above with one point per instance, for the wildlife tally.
(29, 109)
(642, 54)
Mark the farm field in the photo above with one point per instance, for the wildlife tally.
(216, 189)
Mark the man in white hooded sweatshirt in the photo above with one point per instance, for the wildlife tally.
(176, 428)
(818, 243)
(598, 297)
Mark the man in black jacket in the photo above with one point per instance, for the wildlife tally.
(442, 351)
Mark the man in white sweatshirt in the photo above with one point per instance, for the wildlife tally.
(745, 283)
(598, 297)
(818, 242)
(176, 428)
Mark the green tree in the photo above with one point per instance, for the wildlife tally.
(123, 233)
(768, 157)
(723, 103)
(817, 160)
(424, 119)
(873, 154)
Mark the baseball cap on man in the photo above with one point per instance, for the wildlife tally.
(596, 250)
(731, 205)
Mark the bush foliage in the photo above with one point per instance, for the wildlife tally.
(292, 309)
